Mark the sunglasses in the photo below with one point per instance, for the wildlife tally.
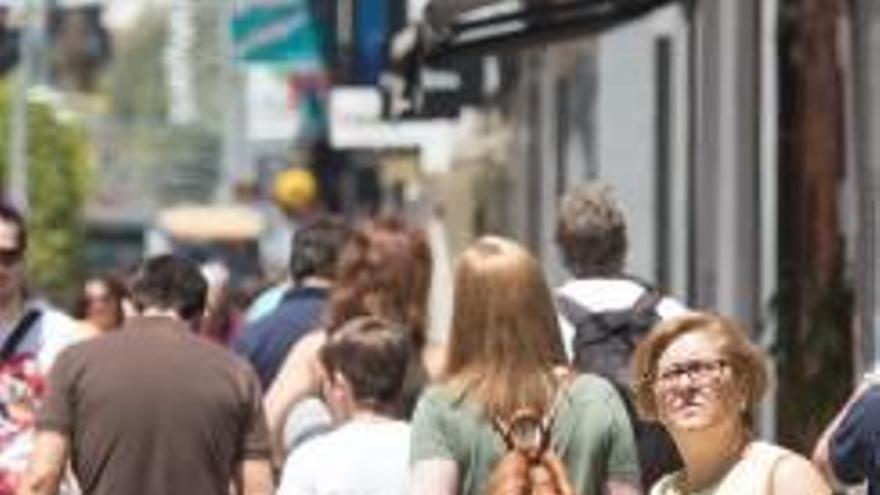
(10, 257)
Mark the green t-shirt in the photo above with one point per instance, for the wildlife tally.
(591, 432)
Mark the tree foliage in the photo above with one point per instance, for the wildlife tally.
(57, 181)
(137, 73)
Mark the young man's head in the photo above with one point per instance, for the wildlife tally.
(167, 283)
(591, 232)
(365, 362)
(315, 248)
(13, 244)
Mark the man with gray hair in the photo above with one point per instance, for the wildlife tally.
(604, 312)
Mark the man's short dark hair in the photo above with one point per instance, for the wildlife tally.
(170, 283)
(10, 214)
(316, 246)
(591, 231)
(372, 354)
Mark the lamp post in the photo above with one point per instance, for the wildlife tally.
(16, 179)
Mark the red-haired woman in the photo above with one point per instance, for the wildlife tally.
(384, 271)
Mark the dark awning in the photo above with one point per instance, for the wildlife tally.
(454, 27)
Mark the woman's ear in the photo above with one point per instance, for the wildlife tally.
(743, 395)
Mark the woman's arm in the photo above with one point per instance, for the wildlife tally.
(299, 378)
(794, 475)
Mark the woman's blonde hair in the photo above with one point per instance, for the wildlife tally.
(747, 360)
(505, 341)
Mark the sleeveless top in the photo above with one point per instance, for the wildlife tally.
(752, 475)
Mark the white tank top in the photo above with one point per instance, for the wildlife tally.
(750, 476)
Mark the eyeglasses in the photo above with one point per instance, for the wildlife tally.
(698, 372)
(10, 257)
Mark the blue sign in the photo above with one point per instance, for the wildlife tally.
(372, 29)
(277, 31)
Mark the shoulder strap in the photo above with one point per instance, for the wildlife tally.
(573, 311)
(774, 459)
(649, 300)
(543, 423)
(18, 333)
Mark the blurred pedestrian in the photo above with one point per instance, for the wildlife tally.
(848, 452)
(505, 357)
(32, 333)
(296, 197)
(701, 378)
(384, 270)
(223, 317)
(154, 408)
(100, 307)
(363, 366)
(605, 313)
(314, 252)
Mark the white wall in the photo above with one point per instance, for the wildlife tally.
(625, 133)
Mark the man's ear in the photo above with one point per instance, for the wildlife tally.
(339, 381)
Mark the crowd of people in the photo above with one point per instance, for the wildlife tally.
(331, 384)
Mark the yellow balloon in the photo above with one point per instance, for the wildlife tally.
(294, 188)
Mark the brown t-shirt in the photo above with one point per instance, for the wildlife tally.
(155, 410)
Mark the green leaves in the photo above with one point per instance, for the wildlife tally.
(58, 176)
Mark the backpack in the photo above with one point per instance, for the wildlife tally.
(603, 344)
(530, 466)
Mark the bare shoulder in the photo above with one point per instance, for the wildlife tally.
(795, 475)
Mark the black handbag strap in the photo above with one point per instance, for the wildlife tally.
(18, 333)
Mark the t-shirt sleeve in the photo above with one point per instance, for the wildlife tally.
(622, 460)
(430, 433)
(56, 411)
(853, 450)
(255, 437)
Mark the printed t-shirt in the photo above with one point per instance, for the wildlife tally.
(22, 385)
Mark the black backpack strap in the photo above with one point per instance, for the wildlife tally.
(648, 301)
(579, 316)
(573, 311)
(19, 333)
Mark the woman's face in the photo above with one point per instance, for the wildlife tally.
(695, 386)
(102, 308)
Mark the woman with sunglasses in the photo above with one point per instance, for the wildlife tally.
(701, 378)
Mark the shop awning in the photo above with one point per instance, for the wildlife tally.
(455, 27)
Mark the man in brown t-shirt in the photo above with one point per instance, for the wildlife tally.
(154, 409)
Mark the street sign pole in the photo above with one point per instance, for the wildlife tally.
(234, 124)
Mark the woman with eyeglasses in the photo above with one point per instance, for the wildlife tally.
(699, 375)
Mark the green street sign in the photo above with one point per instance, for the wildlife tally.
(277, 31)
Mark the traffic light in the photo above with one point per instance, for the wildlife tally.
(80, 46)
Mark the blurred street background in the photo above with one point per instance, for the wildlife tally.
(743, 138)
